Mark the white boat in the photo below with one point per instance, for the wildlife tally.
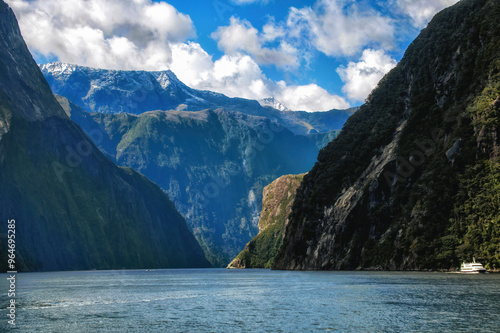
(472, 268)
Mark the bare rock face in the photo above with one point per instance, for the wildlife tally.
(17, 78)
(276, 206)
(409, 182)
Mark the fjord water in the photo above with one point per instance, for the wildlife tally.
(219, 300)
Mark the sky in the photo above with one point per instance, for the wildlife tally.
(314, 55)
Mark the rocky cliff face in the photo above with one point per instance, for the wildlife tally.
(74, 209)
(17, 77)
(277, 203)
(410, 181)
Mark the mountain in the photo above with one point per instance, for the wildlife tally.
(412, 181)
(302, 122)
(210, 153)
(212, 163)
(277, 203)
(273, 103)
(73, 208)
(136, 92)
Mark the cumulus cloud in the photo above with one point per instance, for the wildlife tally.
(146, 35)
(271, 31)
(308, 98)
(340, 27)
(422, 11)
(241, 36)
(239, 75)
(361, 77)
(103, 33)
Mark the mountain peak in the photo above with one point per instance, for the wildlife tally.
(272, 102)
(130, 91)
(165, 77)
(17, 67)
(59, 67)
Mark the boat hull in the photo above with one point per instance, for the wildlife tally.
(472, 268)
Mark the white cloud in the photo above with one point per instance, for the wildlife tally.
(361, 77)
(309, 98)
(191, 64)
(238, 75)
(271, 32)
(103, 33)
(241, 36)
(422, 11)
(340, 27)
(143, 35)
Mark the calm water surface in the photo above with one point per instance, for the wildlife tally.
(219, 300)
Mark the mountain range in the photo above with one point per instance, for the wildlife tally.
(73, 208)
(212, 163)
(211, 154)
(410, 183)
(136, 92)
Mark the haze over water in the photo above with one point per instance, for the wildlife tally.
(219, 300)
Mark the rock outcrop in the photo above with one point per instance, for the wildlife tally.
(276, 206)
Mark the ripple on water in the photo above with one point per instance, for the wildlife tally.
(216, 300)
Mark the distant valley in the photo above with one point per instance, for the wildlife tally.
(211, 154)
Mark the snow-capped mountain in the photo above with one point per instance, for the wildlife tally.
(136, 92)
(272, 102)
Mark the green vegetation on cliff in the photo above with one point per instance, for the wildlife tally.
(276, 205)
(74, 209)
(213, 164)
(475, 222)
(412, 180)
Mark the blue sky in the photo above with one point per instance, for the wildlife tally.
(309, 55)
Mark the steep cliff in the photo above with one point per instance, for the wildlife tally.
(412, 180)
(277, 203)
(74, 209)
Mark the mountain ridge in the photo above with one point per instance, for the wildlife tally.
(135, 92)
(38, 107)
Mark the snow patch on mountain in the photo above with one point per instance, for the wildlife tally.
(272, 102)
